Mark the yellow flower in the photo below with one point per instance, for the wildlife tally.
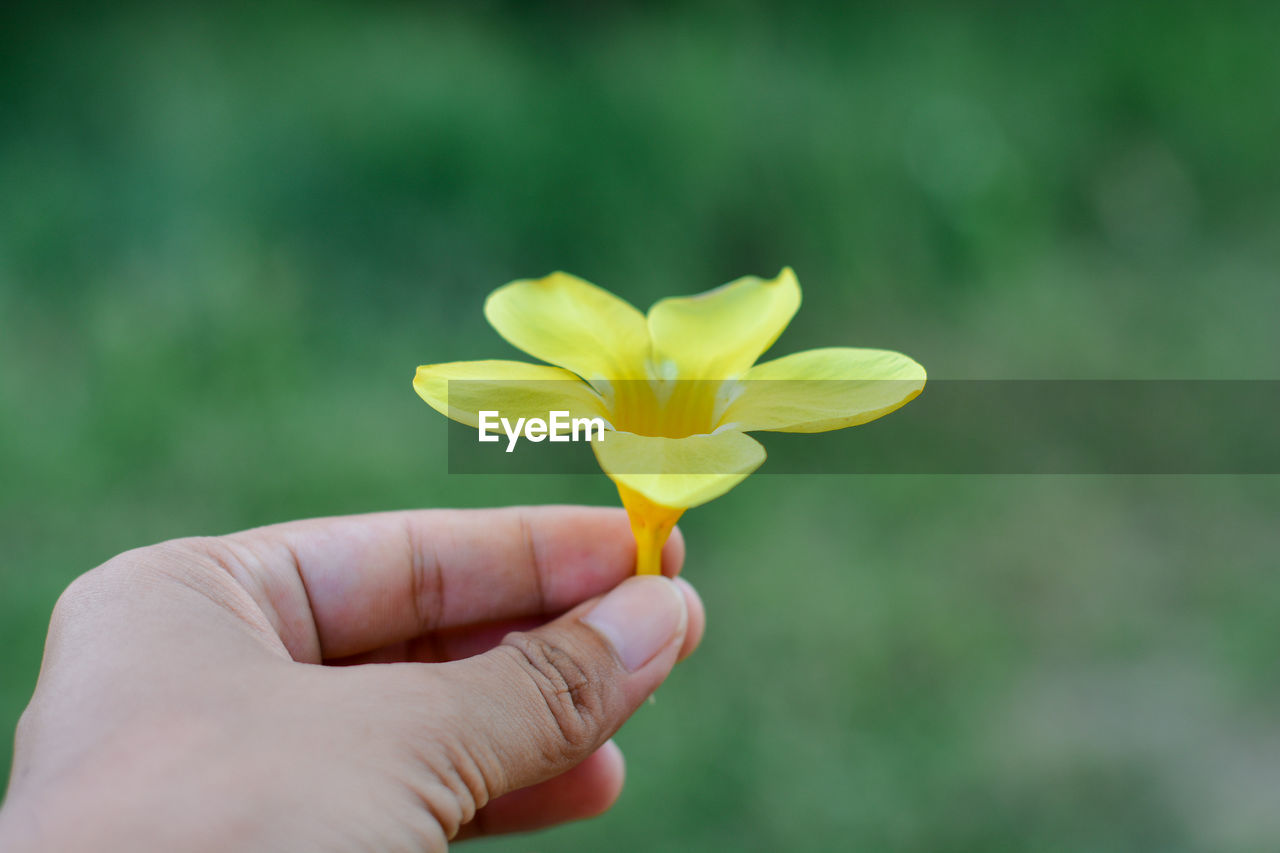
(678, 388)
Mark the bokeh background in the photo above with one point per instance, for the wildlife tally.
(228, 235)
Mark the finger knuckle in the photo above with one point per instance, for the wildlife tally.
(98, 593)
(218, 552)
(575, 701)
(73, 600)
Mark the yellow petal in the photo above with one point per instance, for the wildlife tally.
(721, 333)
(823, 389)
(461, 389)
(572, 323)
(678, 472)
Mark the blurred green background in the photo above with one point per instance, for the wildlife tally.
(227, 237)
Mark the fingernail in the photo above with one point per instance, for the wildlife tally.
(639, 618)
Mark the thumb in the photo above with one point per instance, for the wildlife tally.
(543, 700)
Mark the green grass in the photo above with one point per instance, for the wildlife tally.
(227, 238)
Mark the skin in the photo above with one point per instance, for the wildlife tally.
(385, 682)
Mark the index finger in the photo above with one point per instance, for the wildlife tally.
(345, 585)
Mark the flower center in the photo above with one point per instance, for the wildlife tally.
(671, 408)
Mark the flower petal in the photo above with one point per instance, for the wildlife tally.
(678, 472)
(721, 333)
(823, 389)
(516, 389)
(572, 323)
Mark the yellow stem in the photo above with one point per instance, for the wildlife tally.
(651, 524)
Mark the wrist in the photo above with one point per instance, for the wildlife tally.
(19, 829)
(58, 821)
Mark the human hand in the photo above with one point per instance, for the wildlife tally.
(181, 704)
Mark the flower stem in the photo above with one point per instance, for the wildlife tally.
(651, 524)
